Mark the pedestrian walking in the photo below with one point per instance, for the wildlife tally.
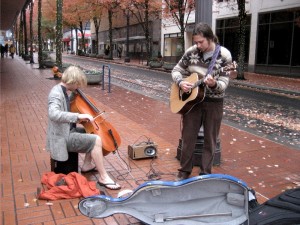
(6, 50)
(2, 51)
(12, 50)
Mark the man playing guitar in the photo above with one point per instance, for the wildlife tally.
(208, 111)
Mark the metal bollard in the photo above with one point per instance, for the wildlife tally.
(103, 70)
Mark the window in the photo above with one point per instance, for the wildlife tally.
(172, 46)
(278, 35)
(227, 31)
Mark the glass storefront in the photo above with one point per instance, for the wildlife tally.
(277, 41)
(278, 35)
(227, 30)
(172, 46)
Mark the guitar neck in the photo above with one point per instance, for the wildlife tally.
(201, 81)
(215, 72)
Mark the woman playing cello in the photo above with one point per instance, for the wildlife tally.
(62, 134)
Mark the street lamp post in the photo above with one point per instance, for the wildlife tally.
(127, 58)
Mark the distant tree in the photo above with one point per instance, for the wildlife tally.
(77, 14)
(144, 11)
(96, 15)
(48, 22)
(111, 6)
(178, 12)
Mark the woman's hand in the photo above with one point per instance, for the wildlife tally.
(85, 118)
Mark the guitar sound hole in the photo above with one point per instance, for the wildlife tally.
(185, 96)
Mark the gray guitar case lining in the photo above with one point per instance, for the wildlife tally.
(214, 199)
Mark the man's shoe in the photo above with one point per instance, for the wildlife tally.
(182, 175)
(201, 174)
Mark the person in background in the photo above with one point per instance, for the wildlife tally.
(12, 50)
(2, 51)
(208, 113)
(6, 50)
(62, 134)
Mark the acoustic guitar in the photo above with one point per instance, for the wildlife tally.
(182, 102)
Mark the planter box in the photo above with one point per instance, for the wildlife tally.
(93, 78)
(26, 57)
(169, 66)
(48, 63)
(155, 64)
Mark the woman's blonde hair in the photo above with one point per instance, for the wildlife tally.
(74, 75)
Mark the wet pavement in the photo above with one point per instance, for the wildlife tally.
(271, 115)
(266, 166)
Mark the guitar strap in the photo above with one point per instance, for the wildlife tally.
(213, 60)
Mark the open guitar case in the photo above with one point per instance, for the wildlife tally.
(214, 199)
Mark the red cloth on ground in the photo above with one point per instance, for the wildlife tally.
(75, 186)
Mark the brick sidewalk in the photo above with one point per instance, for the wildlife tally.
(267, 167)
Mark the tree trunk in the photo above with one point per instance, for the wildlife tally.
(97, 25)
(76, 37)
(242, 37)
(21, 36)
(182, 27)
(25, 32)
(59, 34)
(31, 33)
(110, 14)
(40, 50)
(16, 36)
(147, 33)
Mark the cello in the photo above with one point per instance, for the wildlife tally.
(85, 105)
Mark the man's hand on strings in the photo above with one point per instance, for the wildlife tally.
(210, 81)
(186, 86)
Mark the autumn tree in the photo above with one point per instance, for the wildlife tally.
(178, 12)
(111, 7)
(96, 15)
(48, 21)
(77, 13)
(144, 12)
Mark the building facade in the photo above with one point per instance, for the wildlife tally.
(272, 34)
(170, 36)
(136, 36)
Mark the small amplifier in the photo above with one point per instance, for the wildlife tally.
(142, 150)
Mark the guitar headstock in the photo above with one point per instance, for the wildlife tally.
(233, 66)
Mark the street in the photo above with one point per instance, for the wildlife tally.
(268, 115)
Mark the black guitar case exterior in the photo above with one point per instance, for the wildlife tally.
(283, 209)
(214, 199)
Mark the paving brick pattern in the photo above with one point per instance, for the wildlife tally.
(267, 167)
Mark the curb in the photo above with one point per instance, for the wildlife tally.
(276, 90)
(232, 82)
